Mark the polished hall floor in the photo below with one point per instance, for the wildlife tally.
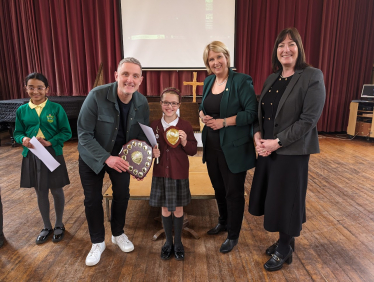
(337, 241)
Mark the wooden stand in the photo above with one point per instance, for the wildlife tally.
(361, 119)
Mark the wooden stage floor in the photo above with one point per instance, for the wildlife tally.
(336, 244)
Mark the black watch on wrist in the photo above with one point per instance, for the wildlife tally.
(279, 142)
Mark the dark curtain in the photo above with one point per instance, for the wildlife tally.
(19, 50)
(155, 81)
(68, 39)
(338, 38)
(64, 39)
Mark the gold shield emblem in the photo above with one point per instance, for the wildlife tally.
(137, 157)
(172, 136)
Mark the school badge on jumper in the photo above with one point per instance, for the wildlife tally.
(171, 136)
(139, 155)
(157, 136)
(50, 118)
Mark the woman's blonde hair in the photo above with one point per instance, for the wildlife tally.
(218, 47)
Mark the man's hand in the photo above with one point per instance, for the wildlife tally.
(117, 163)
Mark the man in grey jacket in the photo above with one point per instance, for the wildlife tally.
(108, 119)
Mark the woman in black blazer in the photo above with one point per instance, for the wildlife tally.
(290, 105)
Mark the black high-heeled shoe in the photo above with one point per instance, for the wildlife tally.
(272, 248)
(277, 260)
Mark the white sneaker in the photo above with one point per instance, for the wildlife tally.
(123, 243)
(94, 255)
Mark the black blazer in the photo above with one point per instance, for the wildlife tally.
(298, 112)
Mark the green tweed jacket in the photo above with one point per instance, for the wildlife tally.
(236, 141)
(98, 123)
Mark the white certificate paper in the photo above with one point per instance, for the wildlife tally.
(41, 152)
(148, 131)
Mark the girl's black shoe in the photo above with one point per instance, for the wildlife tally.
(41, 239)
(166, 251)
(179, 253)
(58, 237)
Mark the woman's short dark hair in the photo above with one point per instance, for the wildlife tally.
(38, 76)
(295, 36)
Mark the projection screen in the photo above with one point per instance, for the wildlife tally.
(172, 34)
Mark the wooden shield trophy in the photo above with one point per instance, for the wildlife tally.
(171, 135)
(139, 155)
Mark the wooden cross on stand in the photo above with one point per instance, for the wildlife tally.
(194, 84)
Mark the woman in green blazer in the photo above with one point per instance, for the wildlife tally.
(47, 121)
(228, 110)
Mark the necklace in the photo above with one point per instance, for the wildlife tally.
(287, 76)
(219, 84)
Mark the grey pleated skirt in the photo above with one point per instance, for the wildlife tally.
(34, 172)
(169, 193)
